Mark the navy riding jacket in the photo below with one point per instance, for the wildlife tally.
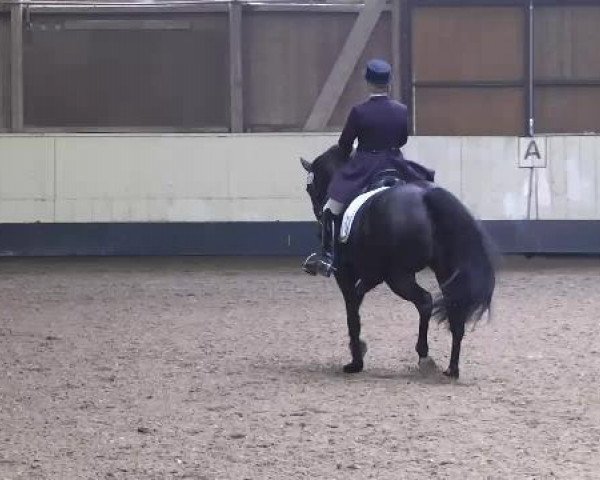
(381, 126)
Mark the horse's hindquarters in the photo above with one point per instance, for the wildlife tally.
(393, 233)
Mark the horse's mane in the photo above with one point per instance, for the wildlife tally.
(330, 160)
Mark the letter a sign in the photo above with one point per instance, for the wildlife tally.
(532, 152)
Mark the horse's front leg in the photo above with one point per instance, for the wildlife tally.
(353, 298)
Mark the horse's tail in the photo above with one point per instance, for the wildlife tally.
(466, 260)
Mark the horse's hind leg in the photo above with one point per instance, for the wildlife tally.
(407, 287)
(353, 300)
(457, 327)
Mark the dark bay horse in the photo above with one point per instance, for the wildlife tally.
(401, 231)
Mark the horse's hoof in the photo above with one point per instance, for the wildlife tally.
(353, 367)
(451, 372)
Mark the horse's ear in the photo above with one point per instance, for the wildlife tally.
(306, 165)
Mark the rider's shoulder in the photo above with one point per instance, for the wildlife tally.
(398, 104)
(369, 106)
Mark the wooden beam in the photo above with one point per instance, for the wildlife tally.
(131, 131)
(177, 7)
(344, 65)
(304, 7)
(396, 52)
(406, 82)
(129, 24)
(16, 67)
(235, 70)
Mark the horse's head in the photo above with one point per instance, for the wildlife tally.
(319, 175)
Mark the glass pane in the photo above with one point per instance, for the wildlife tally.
(566, 43)
(468, 43)
(567, 109)
(139, 71)
(469, 111)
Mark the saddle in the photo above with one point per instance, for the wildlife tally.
(386, 178)
(380, 181)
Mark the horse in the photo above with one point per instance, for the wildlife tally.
(401, 231)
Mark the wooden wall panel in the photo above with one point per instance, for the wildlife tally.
(287, 58)
(567, 41)
(567, 109)
(127, 73)
(469, 111)
(4, 70)
(378, 46)
(468, 43)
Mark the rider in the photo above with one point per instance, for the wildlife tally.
(381, 126)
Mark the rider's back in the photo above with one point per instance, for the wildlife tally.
(381, 124)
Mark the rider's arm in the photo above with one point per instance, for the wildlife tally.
(349, 134)
(404, 132)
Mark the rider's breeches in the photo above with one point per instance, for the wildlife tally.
(334, 206)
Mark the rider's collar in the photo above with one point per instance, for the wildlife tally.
(379, 95)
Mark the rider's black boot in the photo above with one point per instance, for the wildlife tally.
(324, 264)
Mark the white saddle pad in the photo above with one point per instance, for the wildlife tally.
(350, 213)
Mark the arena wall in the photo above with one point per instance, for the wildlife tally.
(244, 194)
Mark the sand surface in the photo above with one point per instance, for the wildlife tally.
(209, 369)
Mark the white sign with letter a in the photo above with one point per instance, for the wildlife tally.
(532, 152)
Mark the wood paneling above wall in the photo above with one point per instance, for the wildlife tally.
(456, 48)
(469, 111)
(567, 43)
(287, 59)
(378, 46)
(469, 43)
(567, 69)
(171, 71)
(567, 109)
(4, 70)
(137, 70)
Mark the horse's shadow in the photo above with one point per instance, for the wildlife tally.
(426, 373)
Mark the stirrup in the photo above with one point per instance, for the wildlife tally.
(318, 265)
(325, 266)
(311, 264)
